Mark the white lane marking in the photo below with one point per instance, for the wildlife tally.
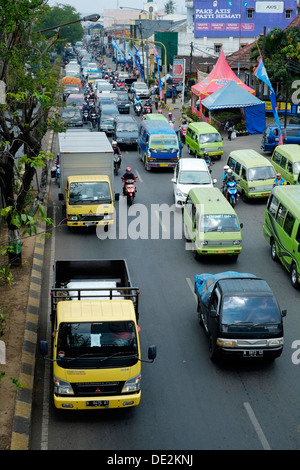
(139, 176)
(191, 286)
(257, 427)
(160, 221)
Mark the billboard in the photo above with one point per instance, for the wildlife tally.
(239, 18)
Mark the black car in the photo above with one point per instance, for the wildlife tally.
(123, 102)
(72, 116)
(240, 315)
(125, 130)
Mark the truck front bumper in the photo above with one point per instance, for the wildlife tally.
(92, 403)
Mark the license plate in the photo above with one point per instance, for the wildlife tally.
(97, 403)
(89, 224)
(221, 251)
(253, 353)
(163, 164)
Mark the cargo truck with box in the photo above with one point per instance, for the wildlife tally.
(96, 350)
(86, 179)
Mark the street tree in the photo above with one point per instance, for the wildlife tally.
(30, 83)
(170, 7)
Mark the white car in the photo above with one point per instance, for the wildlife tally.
(188, 174)
(141, 90)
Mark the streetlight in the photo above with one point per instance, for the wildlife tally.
(95, 17)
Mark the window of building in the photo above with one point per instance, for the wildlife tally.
(250, 12)
(217, 48)
(288, 13)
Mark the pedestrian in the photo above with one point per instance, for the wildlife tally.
(229, 127)
(279, 181)
(174, 93)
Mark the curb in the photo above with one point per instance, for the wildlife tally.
(22, 417)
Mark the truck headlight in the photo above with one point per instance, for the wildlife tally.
(236, 242)
(72, 217)
(108, 216)
(133, 384)
(61, 387)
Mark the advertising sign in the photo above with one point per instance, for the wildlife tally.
(224, 18)
(178, 70)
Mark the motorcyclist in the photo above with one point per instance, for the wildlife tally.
(116, 148)
(128, 175)
(137, 101)
(229, 176)
(208, 160)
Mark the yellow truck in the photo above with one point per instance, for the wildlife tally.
(86, 180)
(96, 351)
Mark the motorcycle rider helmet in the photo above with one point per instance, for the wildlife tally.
(114, 142)
(229, 171)
(226, 167)
(128, 169)
(160, 111)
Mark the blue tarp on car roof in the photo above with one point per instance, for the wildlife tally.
(204, 283)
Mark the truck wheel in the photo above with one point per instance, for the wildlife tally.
(200, 320)
(294, 277)
(189, 150)
(186, 233)
(273, 251)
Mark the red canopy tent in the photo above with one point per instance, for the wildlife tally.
(220, 75)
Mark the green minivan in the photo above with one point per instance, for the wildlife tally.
(202, 138)
(211, 224)
(286, 160)
(254, 173)
(281, 229)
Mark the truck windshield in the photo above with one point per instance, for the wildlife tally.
(90, 192)
(219, 223)
(253, 310)
(261, 173)
(96, 339)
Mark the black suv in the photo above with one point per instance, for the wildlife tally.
(123, 102)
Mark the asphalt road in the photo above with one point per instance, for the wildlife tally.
(188, 402)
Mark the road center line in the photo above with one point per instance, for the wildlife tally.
(139, 176)
(160, 221)
(257, 427)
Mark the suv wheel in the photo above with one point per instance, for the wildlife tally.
(294, 277)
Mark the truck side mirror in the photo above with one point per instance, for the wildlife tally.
(117, 196)
(242, 225)
(60, 196)
(283, 313)
(152, 352)
(173, 180)
(44, 347)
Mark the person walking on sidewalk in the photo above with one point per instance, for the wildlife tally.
(229, 127)
(174, 93)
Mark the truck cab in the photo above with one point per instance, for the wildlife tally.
(240, 315)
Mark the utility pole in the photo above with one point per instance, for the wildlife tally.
(191, 59)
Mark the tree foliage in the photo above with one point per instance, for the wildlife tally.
(170, 7)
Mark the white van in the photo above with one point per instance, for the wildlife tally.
(190, 173)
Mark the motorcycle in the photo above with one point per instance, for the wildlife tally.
(117, 163)
(208, 162)
(94, 118)
(138, 109)
(231, 192)
(147, 109)
(85, 115)
(183, 129)
(129, 190)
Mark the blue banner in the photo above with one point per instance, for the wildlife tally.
(115, 45)
(262, 75)
(161, 93)
(139, 61)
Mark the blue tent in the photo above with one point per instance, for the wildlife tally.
(233, 95)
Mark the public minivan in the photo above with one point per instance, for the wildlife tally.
(281, 229)
(158, 145)
(155, 117)
(270, 136)
(286, 160)
(254, 173)
(190, 173)
(201, 137)
(211, 223)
